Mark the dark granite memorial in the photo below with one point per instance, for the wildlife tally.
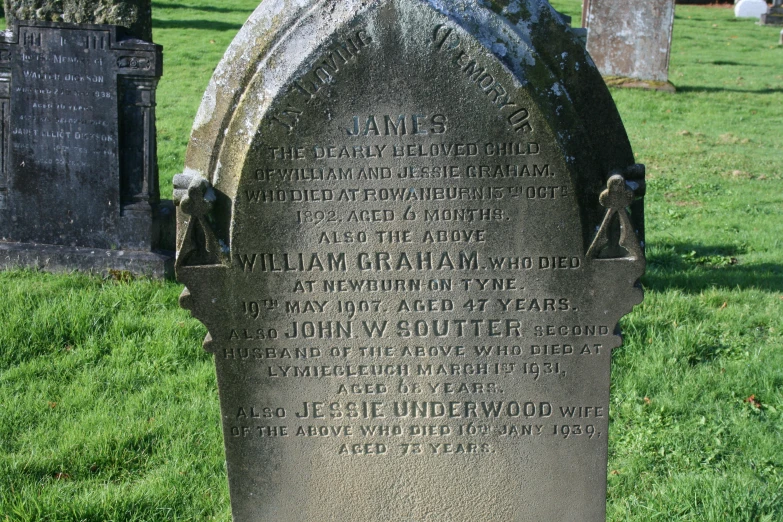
(406, 226)
(630, 41)
(775, 15)
(78, 171)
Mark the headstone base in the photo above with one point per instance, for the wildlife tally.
(62, 259)
(635, 83)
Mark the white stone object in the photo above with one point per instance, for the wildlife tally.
(750, 8)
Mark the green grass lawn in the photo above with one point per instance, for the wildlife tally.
(109, 409)
(194, 35)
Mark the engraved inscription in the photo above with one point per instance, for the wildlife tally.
(324, 72)
(63, 137)
(413, 323)
(499, 95)
(63, 97)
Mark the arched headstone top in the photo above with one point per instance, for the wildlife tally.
(400, 220)
(281, 36)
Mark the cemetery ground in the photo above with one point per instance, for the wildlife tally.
(109, 408)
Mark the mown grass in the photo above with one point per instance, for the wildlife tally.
(108, 407)
(697, 397)
(194, 35)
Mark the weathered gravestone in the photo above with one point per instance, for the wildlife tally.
(405, 225)
(79, 179)
(630, 41)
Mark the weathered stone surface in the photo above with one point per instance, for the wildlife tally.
(631, 39)
(405, 226)
(135, 15)
(750, 8)
(80, 167)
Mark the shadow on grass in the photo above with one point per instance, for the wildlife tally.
(701, 88)
(692, 268)
(691, 18)
(210, 25)
(729, 62)
(208, 8)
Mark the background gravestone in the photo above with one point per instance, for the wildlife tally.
(775, 14)
(134, 15)
(630, 41)
(79, 180)
(405, 226)
(750, 8)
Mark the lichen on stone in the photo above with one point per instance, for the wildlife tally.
(135, 15)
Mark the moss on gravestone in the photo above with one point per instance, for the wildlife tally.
(136, 15)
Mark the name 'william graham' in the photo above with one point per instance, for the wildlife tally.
(363, 261)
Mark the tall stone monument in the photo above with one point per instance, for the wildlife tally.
(630, 41)
(78, 171)
(406, 226)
